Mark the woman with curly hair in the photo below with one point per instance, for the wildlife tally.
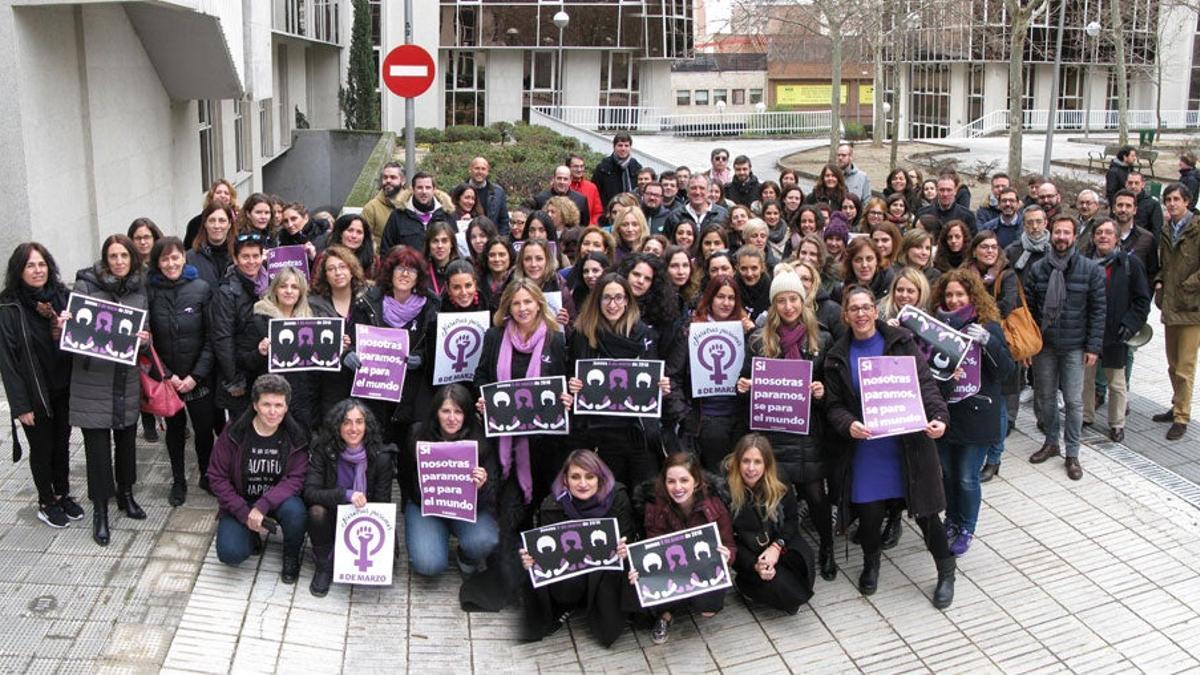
(830, 188)
(563, 213)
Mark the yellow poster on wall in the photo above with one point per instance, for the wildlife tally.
(806, 94)
(866, 94)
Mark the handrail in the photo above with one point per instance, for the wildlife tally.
(1077, 120)
(644, 119)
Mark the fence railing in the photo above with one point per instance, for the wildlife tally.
(1078, 120)
(646, 120)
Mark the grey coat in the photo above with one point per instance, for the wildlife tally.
(106, 394)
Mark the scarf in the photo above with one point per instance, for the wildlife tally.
(1029, 246)
(989, 274)
(626, 181)
(519, 446)
(357, 458)
(1106, 260)
(1178, 227)
(596, 507)
(46, 301)
(1056, 290)
(398, 314)
(261, 282)
(790, 339)
(959, 317)
(422, 212)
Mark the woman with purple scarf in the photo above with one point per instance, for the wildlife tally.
(348, 463)
(583, 489)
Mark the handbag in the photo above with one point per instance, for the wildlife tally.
(159, 398)
(1021, 332)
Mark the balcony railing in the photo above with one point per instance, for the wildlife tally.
(640, 119)
(318, 20)
(996, 122)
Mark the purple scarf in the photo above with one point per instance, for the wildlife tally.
(959, 317)
(596, 507)
(520, 444)
(790, 339)
(397, 314)
(356, 460)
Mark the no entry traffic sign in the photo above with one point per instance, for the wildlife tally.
(408, 71)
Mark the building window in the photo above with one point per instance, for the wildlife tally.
(974, 92)
(283, 109)
(241, 136)
(1070, 96)
(739, 97)
(683, 97)
(720, 96)
(210, 143)
(618, 80)
(541, 79)
(266, 131)
(756, 96)
(930, 100)
(1194, 86)
(294, 16)
(701, 96)
(464, 89)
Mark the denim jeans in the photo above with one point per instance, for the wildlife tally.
(235, 541)
(1053, 372)
(996, 450)
(960, 478)
(428, 539)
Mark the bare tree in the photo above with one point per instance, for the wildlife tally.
(1020, 15)
(1118, 38)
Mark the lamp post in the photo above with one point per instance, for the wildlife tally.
(1091, 30)
(561, 19)
(720, 117)
(1062, 19)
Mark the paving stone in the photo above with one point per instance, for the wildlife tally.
(144, 644)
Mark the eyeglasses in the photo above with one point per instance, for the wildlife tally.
(860, 309)
(612, 299)
(406, 271)
(876, 213)
(721, 158)
(988, 247)
(251, 236)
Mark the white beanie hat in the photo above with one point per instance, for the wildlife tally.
(786, 281)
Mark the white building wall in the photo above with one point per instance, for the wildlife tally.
(655, 83)
(995, 87)
(681, 81)
(581, 78)
(958, 95)
(503, 97)
(1178, 30)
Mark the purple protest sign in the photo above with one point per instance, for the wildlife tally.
(891, 395)
(102, 329)
(716, 351)
(459, 346)
(779, 395)
(364, 544)
(969, 385)
(383, 353)
(444, 474)
(287, 256)
(530, 406)
(943, 346)
(305, 344)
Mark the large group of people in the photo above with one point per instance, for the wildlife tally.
(1050, 298)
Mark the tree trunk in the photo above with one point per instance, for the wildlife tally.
(896, 65)
(1016, 89)
(877, 114)
(1118, 34)
(835, 99)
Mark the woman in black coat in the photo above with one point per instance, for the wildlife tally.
(583, 489)
(179, 322)
(287, 298)
(37, 376)
(348, 463)
(234, 340)
(877, 471)
(773, 564)
(212, 250)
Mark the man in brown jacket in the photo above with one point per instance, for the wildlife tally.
(379, 209)
(1177, 294)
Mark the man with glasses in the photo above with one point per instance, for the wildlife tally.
(1008, 224)
(991, 210)
(617, 173)
(857, 181)
(585, 187)
(652, 207)
(1175, 293)
(719, 171)
(1050, 199)
(1087, 204)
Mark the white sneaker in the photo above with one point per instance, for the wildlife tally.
(1026, 394)
(1061, 403)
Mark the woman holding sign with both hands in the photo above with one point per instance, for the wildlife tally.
(715, 422)
(880, 470)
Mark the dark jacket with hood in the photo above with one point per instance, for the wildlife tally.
(923, 489)
(321, 486)
(418, 388)
(179, 324)
(33, 368)
(612, 179)
(1149, 214)
(227, 468)
(234, 339)
(1114, 179)
(106, 394)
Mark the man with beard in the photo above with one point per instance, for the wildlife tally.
(1050, 200)
(1175, 292)
(491, 197)
(1066, 293)
(408, 223)
(379, 209)
(652, 207)
(857, 182)
(1134, 239)
(1008, 224)
(673, 198)
(991, 210)
(560, 186)
(617, 173)
(1149, 215)
(585, 187)
(743, 189)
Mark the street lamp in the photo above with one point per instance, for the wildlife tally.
(1053, 111)
(721, 117)
(561, 19)
(1091, 30)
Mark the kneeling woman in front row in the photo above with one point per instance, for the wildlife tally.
(348, 463)
(774, 565)
(584, 489)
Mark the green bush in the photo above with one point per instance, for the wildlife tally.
(471, 133)
(854, 131)
(428, 135)
(523, 168)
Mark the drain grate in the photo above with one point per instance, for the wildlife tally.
(1151, 471)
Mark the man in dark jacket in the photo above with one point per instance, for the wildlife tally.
(1189, 177)
(1134, 239)
(743, 189)
(1149, 214)
(1126, 309)
(616, 173)
(1050, 199)
(491, 196)
(1175, 292)
(652, 207)
(560, 186)
(1066, 293)
(991, 210)
(1118, 171)
(234, 344)
(257, 473)
(698, 209)
(1087, 206)
(1008, 224)
(945, 208)
(1032, 245)
(407, 225)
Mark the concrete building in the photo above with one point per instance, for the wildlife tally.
(733, 82)
(497, 59)
(115, 110)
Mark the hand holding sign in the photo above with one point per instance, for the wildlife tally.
(716, 351)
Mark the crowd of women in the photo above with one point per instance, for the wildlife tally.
(282, 452)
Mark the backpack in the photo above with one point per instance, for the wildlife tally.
(1021, 331)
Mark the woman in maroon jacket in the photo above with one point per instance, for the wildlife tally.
(683, 499)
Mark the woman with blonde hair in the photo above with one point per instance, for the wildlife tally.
(630, 230)
(563, 213)
(534, 262)
(773, 562)
(287, 298)
(909, 287)
(916, 251)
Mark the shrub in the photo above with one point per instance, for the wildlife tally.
(854, 131)
(471, 133)
(428, 135)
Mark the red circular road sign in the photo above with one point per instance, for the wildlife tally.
(408, 71)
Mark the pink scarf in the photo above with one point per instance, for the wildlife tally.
(519, 445)
(790, 339)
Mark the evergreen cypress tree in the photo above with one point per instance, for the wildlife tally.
(360, 103)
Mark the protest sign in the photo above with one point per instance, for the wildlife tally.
(679, 565)
(525, 407)
(287, 256)
(305, 344)
(891, 395)
(970, 383)
(459, 345)
(383, 353)
(716, 351)
(364, 544)
(943, 347)
(554, 301)
(572, 548)
(444, 474)
(780, 398)
(621, 387)
(102, 329)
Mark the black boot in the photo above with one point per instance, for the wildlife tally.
(178, 493)
(827, 564)
(891, 532)
(868, 581)
(322, 579)
(291, 567)
(100, 522)
(126, 503)
(943, 595)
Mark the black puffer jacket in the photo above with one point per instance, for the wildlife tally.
(106, 394)
(211, 263)
(234, 340)
(320, 485)
(31, 365)
(1080, 325)
(418, 387)
(179, 324)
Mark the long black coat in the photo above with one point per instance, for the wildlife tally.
(750, 530)
(179, 324)
(843, 406)
(611, 178)
(234, 340)
(1127, 307)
